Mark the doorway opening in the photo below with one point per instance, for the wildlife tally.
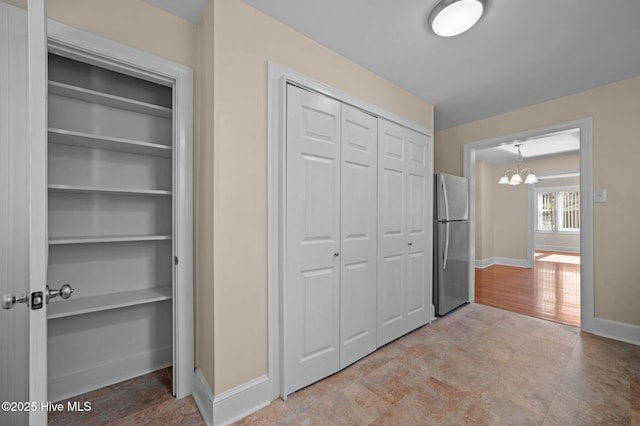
(532, 245)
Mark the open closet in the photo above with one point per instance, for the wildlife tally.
(97, 148)
(110, 226)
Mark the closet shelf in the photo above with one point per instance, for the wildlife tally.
(88, 140)
(86, 305)
(79, 189)
(88, 95)
(110, 239)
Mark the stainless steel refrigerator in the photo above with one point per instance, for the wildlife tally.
(451, 242)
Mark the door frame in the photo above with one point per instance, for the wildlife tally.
(86, 47)
(271, 386)
(587, 313)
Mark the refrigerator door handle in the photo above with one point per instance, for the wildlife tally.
(446, 247)
(445, 198)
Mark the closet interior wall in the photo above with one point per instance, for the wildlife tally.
(110, 224)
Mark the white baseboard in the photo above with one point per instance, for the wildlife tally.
(241, 401)
(615, 330)
(484, 263)
(233, 404)
(564, 249)
(203, 396)
(520, 263)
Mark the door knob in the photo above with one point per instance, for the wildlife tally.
(64, 292)
(410, 244)
(336, 254)
(8, 300)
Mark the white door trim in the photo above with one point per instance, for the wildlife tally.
(96, 50)
(278, 77)
(587, 314)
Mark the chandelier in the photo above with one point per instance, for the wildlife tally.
(518, 173)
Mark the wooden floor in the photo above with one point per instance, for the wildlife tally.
(550, 290)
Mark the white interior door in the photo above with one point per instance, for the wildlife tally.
(404, 257)
(358, 233)
(23, 253)
(312, 285)
(13, 207)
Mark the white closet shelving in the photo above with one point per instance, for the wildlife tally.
(110, 181)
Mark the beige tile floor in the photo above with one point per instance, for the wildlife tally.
(479, 366)
(144, 400)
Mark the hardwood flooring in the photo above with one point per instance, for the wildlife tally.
(550, 290)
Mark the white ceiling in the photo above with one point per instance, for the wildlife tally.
(520, 53)
(191, 10)
(547, 145)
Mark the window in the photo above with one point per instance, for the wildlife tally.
(558, 210)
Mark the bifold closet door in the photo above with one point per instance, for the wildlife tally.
(358, 183)
(404, 232)
(330, 287)
(312, 283)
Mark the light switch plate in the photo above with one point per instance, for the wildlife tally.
(600, 196)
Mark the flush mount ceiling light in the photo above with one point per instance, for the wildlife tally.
(517, 174)
(452, 17)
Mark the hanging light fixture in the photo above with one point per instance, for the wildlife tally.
(452, 17)
(517, 174)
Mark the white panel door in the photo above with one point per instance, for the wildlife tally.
(14, 204)
(23, 232)
(312, 283)
(358, 233)
(404, 235)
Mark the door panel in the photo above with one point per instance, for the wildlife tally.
(14, 203)
(317, 292)
(405, 260)
(312, 286)
(415, 284)
(358, 189)
(392, 189)
(417, 202)
(391, 299)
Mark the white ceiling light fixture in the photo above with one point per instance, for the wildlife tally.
(517, 174)
(452, 17)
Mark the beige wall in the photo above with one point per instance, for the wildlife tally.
(203, 211)
(244, 39)
(484, 211)
(131, 22)
(615, 109)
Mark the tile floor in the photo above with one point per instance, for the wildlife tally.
(144, 400)
(479, 366)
